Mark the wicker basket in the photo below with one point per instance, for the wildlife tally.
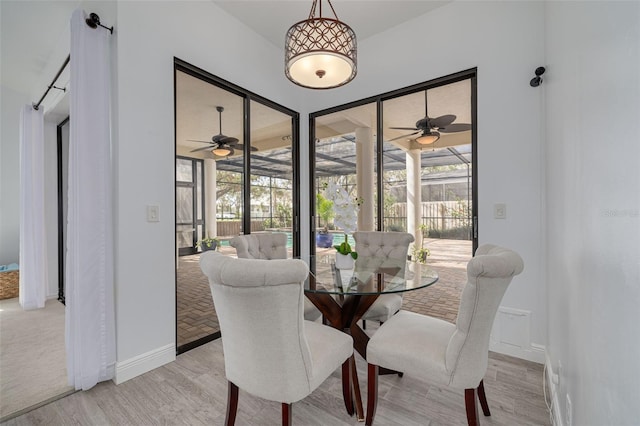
(9, 284)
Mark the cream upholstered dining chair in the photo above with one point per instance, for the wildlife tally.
(270, 351)
(269, 246)
(443, 353)
(261, 246)
(380, 246)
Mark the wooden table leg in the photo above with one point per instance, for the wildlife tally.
(345, 317)
(356, 391)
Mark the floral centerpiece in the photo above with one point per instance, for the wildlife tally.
(346, 217)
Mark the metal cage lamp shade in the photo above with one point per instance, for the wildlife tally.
(320, 53)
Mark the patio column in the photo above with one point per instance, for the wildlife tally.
(414, 195)
(210, 198)
(364, 177)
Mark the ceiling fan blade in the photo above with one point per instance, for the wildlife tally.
(204, 148)
(405, 136)
(226, 140)
(193, 140)
(455, 127)
(241, 147)
(442, 121)
(403, 128)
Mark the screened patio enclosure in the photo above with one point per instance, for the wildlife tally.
(445, 181)
(406, 155)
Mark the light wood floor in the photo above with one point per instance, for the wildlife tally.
(193, 390)
(32, 356)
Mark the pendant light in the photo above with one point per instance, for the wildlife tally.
(320, 53)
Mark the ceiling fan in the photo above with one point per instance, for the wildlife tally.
(432, 127)
(221, 145)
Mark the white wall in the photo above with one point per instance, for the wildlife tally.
(148, 39)
(592, 90)
(504, 40)
(11, 105)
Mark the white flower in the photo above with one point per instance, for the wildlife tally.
(345, 208)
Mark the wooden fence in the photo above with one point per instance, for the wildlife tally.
(444, 219)
(230, 228)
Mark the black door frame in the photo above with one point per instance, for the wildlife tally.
(247, 96)
(470, 74)
(61, 218)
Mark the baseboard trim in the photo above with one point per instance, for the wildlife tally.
(140, 364)
(535, 353)
(552, 393)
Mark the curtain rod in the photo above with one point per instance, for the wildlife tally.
(92, 21)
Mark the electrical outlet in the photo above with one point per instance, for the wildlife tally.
(569, 412)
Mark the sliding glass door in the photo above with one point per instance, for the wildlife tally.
(409, 157)
(236, 173)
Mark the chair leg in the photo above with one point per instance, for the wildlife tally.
(483, 399)
(287, 415)
(372, 393)
(232, 405)
(346, 386)
(471, 404)
(364, 324)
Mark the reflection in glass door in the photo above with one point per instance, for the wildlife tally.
(189, 204)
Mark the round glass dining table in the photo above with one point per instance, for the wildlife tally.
(343, 296)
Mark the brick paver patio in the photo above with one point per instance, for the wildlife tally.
(197, 318)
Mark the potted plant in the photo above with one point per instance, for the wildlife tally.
(324, 208)
(208, 243)
(345, 256)
(420, 254)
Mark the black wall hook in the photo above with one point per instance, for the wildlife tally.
(537, 80)
(94, 22)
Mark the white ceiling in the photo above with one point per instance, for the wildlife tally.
(34, 33)
(272, 19)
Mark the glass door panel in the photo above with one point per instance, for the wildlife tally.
(214, 178)
(272, 172)
(189, 206)
(345, 156)
(426, 175)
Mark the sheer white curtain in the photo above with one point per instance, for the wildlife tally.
(90, 317)
(33, 239)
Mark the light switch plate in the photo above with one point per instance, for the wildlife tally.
(153, 213)
(500, 211)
